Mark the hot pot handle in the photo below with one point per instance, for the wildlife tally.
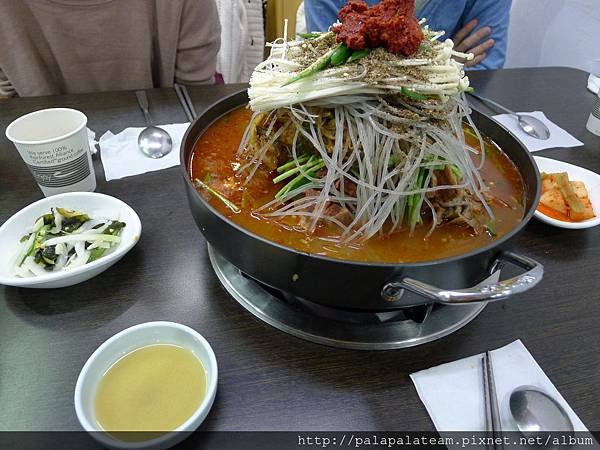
(482, 293)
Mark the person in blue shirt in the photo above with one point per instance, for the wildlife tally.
(476, 26)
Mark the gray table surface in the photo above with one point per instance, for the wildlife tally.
(269, 380)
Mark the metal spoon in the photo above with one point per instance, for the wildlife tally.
(536, 412)
(154, 142)
(529, 124)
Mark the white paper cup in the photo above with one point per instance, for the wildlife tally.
(54, 144)
(593, 123)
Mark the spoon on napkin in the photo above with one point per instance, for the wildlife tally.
(535, 411)
(154, 142)
(529, 124)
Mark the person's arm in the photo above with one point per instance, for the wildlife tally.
(6, 87)
(487, 37)
(476, 42)
(321, 14)
(199, 43)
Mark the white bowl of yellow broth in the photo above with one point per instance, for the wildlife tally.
(148, 386)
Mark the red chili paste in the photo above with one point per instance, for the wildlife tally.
(391, 24)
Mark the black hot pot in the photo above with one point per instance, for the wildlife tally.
(360, 286)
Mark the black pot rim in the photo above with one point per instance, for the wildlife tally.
(184, 167)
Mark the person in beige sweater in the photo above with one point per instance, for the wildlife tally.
(50, 47)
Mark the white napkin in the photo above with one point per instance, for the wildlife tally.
(121, 156)
(453, 392)
(558, 136)
(593, 83)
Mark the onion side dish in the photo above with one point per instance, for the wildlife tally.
(563, 199)
(64, 239)
(359, 145)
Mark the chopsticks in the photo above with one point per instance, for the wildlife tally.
(186, 101)
(493, 425)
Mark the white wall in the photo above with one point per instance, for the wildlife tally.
(554, 33)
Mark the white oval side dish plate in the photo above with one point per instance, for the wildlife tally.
(576, 173)
(91, 203)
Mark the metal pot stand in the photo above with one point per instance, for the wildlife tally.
(358, 331)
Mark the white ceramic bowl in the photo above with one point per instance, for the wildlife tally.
(91, 203)
(576, 173)
(126, 341)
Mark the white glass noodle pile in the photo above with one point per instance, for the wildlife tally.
(396, 118)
